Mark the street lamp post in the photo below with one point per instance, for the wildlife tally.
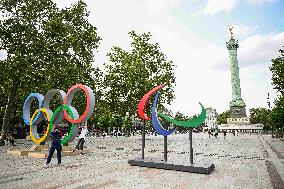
(268, 104)
(268, 101)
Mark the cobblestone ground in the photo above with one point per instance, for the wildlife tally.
(240, 162)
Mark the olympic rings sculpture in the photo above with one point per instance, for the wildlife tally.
(65, 111)
(191, 123)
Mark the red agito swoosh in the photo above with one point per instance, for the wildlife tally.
(144, 101)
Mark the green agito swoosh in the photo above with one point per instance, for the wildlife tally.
(189, 123)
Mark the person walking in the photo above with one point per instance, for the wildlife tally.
(225, 133)
(79, 132)
(55, 137)
(82, 138)
(209, 132)
(216, 133)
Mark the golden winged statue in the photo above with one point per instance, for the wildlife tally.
(231, 28)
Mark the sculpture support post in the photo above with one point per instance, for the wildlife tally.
(191, 149)
(165, 148)
(143, 139)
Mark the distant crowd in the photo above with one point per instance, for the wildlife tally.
(215, 132)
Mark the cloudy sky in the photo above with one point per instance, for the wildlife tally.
(192, 33)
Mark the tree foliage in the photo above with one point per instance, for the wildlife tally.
(46, 48)
(277, 70)
(131, 74)
(105, 120)
(180, 116)
(127, 123)
(222, 118)
(260, 115)
(277, 114)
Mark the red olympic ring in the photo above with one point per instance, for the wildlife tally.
(89, 107)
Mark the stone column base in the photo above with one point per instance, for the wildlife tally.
(238, 112)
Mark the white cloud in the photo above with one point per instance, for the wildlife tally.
(259, 2)
(158, 5)
(256, 83)
(256, 49)
(214, 6)
(259, 49)
(194, 57)
(243, 30)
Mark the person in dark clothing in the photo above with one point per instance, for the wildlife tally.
(55, 137)
(225, 132)
(216, 133)
(11, 139)
(79, 141)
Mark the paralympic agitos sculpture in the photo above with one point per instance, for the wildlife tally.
(155, 122)
(66, 110)
(164, 164)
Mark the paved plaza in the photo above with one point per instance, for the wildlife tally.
(244, 161)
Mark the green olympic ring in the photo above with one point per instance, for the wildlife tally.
(70, 112)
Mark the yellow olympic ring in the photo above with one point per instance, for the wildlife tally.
(37, 141)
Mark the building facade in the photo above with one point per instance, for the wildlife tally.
(211, 118)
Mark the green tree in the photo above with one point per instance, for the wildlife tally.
(127, 124)
(105, 120)
(180, 116)
(277, 69)
(46, 48)
(131, 74)
(222, 118)
(260, 115)
(277, 114)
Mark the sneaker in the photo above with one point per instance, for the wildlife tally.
(47, 165)
(58, 164)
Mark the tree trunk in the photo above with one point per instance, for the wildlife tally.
(8, 112)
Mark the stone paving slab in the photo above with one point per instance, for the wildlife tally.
(240, 162)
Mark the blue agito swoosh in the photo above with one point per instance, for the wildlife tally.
(155, 121)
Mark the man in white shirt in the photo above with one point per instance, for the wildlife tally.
(82, 138)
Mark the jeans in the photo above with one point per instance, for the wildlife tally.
(54, 147)
(80, 144)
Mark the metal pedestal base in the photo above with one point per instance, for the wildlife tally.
(169, 165)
